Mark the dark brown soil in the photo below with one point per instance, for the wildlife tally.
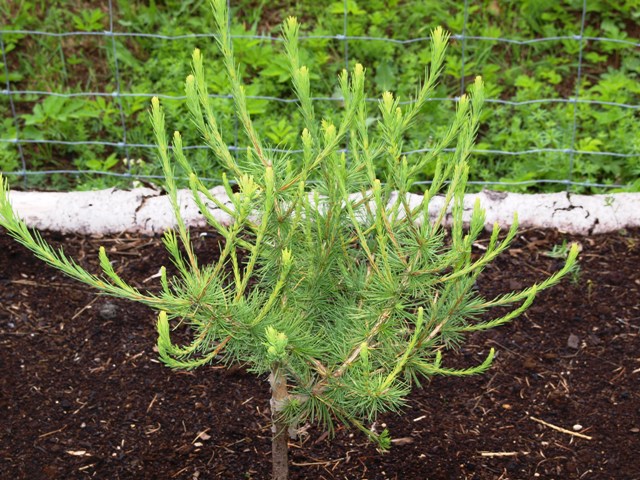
(84, 396)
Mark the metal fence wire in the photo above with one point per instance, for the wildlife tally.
(123, 144)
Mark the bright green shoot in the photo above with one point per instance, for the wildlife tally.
(341, 290)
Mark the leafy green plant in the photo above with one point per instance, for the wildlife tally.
(563, 251)
(342, 290)
(559, 251)
(542, 70)
(89, 20)
(9, 160)
(64, 119)
(56, 109)
(103, 164)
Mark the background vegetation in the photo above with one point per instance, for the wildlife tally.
(512, 72)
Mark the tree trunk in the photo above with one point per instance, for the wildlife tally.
(279, 439)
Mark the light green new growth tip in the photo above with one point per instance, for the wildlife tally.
(340, 289)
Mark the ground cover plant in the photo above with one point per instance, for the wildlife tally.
(329, 281)
(520, 73)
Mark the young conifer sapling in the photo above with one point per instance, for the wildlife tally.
(331, 282)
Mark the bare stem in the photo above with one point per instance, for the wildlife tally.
(279, 428)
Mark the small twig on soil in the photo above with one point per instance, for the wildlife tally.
(153, 400)
(134, 357)
(155, 275)
(151, 429)
(560, 429)
(31, 283)
(88, 305)
(179, 472)
(82, 405)
(502, 454)
(319, 462)
(124, 253)
(201, 436)
(51, 433)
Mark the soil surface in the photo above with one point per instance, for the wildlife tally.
(83, 394)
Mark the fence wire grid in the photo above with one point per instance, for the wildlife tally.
(123, 145)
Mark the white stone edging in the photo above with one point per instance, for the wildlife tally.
(147, 211)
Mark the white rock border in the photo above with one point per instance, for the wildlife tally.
(147, 211)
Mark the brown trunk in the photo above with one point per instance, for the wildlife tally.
(279, 439)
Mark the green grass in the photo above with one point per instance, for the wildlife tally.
(512, 72)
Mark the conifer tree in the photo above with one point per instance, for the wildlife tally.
(330, 282)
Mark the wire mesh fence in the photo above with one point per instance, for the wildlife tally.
(569, 158)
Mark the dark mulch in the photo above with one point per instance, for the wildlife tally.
(83, 394)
